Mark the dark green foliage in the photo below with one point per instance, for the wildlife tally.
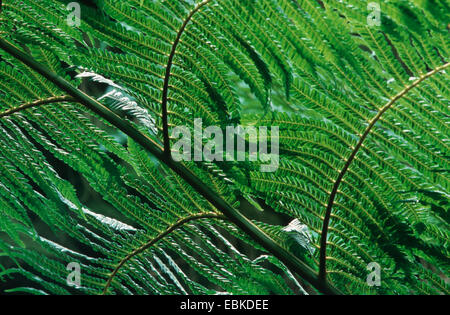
(314, 68)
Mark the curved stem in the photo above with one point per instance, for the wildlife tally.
(326, 221)
(50, 100)
(165, 90)
(154, 148)
(153, 241)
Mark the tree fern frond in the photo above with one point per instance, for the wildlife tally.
(87, 176)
